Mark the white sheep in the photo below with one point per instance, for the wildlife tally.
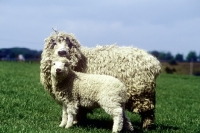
(136, 68)
(75, 89)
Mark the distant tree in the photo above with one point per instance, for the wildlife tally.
(165, 56)
(179, 57)
(161, 56)
(199, 57)
(172, 62)
(155, 53)
(12, 53)
(1, 54)
(192, 56)
(169, 56)
(4, 52)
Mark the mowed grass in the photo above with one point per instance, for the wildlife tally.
(26, 107)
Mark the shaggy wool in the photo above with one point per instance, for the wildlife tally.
(136, 68)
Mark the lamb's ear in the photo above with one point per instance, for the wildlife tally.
(70, 63)
(48, 60)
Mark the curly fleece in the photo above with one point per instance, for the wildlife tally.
(136, 68)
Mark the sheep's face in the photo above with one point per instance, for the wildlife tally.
(61, 45)
(60, 68)
(60, 49)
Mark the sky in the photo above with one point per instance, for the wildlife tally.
(162, 25)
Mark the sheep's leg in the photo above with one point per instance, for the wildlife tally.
(127, 123)
(64, 116)
(75, 120)
(148, 118)
(82, 114)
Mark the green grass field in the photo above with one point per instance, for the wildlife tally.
(26, 107)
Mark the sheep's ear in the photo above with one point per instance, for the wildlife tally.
(55, 30)
(46, 39)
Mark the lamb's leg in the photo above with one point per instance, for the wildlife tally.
(64, 116)
(70, 120)
(71, 111)
(117, 120)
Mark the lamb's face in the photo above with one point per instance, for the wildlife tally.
(60, 68)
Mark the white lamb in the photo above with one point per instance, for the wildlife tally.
(75, 89)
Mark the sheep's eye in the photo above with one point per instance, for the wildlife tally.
(53, 45)
(66, 65)
(68, 42)
(60, 39)
(54, 63)
(70, 45)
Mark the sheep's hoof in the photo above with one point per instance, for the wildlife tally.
(116, 130)
(68, 126)
(75, 122)
(147, 124)
(63, 124)
(148, 118)
(130, 128)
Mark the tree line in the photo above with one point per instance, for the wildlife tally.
(192, 56)
(13, 53)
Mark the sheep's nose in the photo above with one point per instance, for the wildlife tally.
(58, 70)
(62, 53)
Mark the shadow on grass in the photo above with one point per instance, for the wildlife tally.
(107, 124)
(164, 127)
